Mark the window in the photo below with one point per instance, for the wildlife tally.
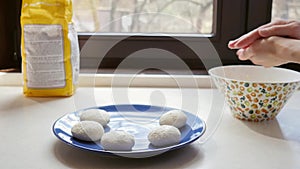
(144, 16)
(216, 20)
(219, 21)
(286, 9)
(289, 10)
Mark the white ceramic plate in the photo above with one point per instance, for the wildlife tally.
(138, 120)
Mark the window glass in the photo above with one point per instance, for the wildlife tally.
(286, 9)
(144, 16)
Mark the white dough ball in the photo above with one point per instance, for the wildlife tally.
(117, 141)
(87, 131)
(174, 118)
(164, 135)
(97, 115)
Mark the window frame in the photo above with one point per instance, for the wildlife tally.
(10, 57)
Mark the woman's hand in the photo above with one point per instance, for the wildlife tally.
(282, 28)
(271, 51)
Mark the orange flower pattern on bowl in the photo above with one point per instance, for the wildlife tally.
(256, 101)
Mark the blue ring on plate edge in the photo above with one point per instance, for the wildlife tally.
(190, 137)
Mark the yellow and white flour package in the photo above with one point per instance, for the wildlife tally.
(50, 50)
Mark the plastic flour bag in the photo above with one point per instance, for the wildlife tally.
(50, 51)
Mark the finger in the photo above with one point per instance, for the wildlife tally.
(231, 44)
(278, 30)
(277, 22)
(247, 39)
(244, 54)
(244, 40)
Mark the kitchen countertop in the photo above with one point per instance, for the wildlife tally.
(27, 140)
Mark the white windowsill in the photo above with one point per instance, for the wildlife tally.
(125, 80)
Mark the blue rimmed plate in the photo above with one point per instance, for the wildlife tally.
(137, 120)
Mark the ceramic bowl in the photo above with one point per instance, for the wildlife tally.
(255, 93)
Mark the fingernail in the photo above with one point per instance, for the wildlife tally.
(231, 44)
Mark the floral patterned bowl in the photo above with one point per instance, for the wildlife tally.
(255, 93)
